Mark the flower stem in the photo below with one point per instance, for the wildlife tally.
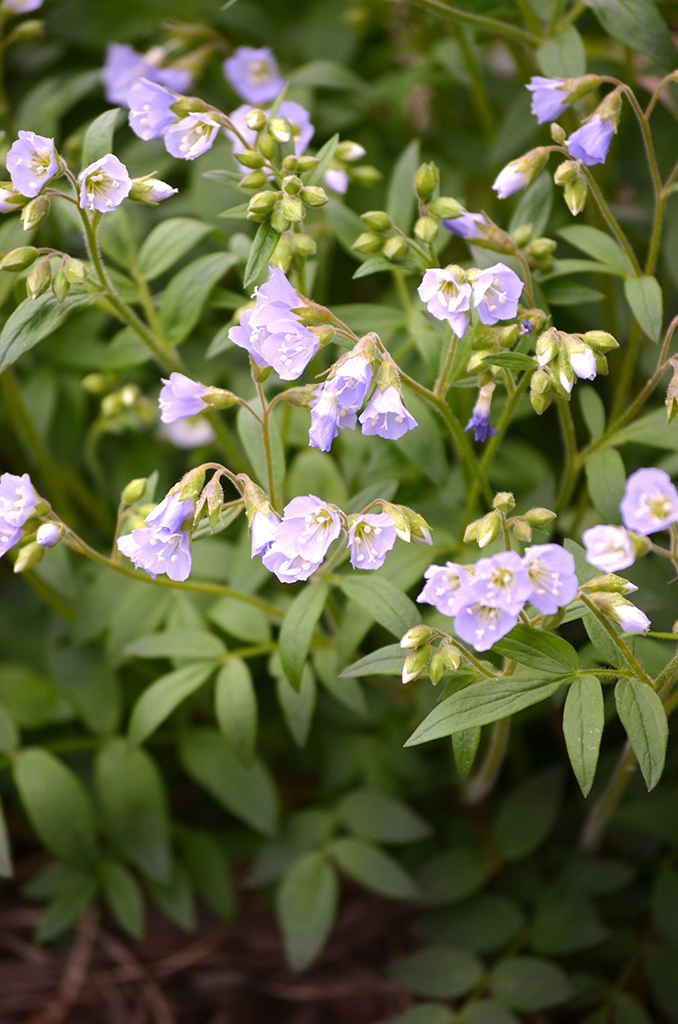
(266, 435)
(571, 455)
(483, 781)
(441, 385)
(618, 642)
(490, 25)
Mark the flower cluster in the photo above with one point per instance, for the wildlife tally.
(18, 502)
(163, 544)
(563, 358)
(450, 292)
(124, 67)
(486, 599)
(293, 113)
(552, 96)
(151, 117)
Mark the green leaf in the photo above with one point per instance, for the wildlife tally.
(440, 972)
(644, 296)
(423, 1013)
(644, 719)
(628, 1010)
(347, 691)
(482, 703)
(373, 868)
(385, 602)
(131, 791)
(235, 708)
(248, 793)
(175, 899)
(511, 360)
(402, 199)
(298, 705)
(238, 212)
(209, 870)
(664, 902)
(387, 661)
(9, 734)
(327, 74)
(465, 747)
(193, 644)
(485, 924)
(383, 819)
(167, 243)
(527, 815)
(186, 294)
(6, 868)
(243, 621)
(638, 24)
(593, 410)
(487, 1011)
(98, 139)
(538, 649)
(599, 245)
(529, 984)
(661, 965)
(263, 245)
(123, 897)
(583, 721)
(606, 477)
(72, 899)
(57, 806)
(452, 876)
(33, 320)
(297, 630)
(44, 104)
(651, 430)
(566, 924)
(345, 224)
(164, 695)
(563, 55)
(86, 680)
(535, 205)
(373, 265)
(570, 293)
(306, 907)
(324, 157)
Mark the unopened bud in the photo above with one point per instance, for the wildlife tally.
(471, 532)
(29, 555)
(539, 517)
(541, 249)
(451, 656)
(303, 396)
(540, 400)
(368, 243)
(75, 271)
(291, 162)
(35, 212)
(129, 395)
(522, 530)
(303, 164)
(558, 134)
(219, 398)
(261, 204)
(39, 279)
(293, 208)
(134, 491)
(425, 180)
(190, 484)
(436, 668)
(376, 220)
(256, 179)
(266, 145)
(446, 208)
(303, 245)
(313, 195)
(566, 173)
(522, 235)
(426, 228)
(213, 496)
(394, 248)
(279, 221)
(291, 184)
(282, 255)
(324, 333)
(280, 129)
(250, 158)
(415, 637)
(600, 341)
(349, 151)
(96, 383)
(29, 29)
(612, 583)
(488, 529)
(186, 105)
(504, 501)
(48, 535)
(60, 285)
(19, 259)
(255, 119)
(365, 175)
(415, 663)
(575, 195)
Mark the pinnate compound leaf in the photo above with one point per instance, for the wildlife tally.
(638, 24)
(538, 649)
(440, 972)
(644, 296)
(74, 896)
(167, 243)
(529, 983)
(164, 695)
(235, 708)
(385, 602)
(644, 719)
(57, 805)
(381, 818)
(98, 139)
(298, 705)
(566, 924)
(297, 630)
(261, 251)
(527, 815)
(123, 897)
(373, 868)
(306, 908)
(583, 721)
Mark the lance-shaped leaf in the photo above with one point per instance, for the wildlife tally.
(583, 721)
(306, 906)
(643, 716)
(384, 601)
(161, 698)
(297, 630)
(538, 649)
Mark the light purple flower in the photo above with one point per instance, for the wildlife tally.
(386, 415)
(122, 68)
(480, 419)
(191, 137)
(650, 501)
(446, 298)
(18, 502)
(591, 142)
(180, 397)
(277, 292)
(160, 191)
(500, 581)
(466, 226)
(336, 179)
(583, 363)
(157, 552)
(308, 528)
(272, 333)
(496, 293)
(5, 205)
(352, 382)
(48, 535)
(174, 78)
(9, 536)
(549, 99)
(190, 433)
(31, 162)
(264, 528)
(370, 537)
(324, 418)
(299, 121)
(288, 568)
(253, 74)
(552, 576)
(21, 6)
(104, 184)
(511, 179)
(608, 548)
(446, 587)
(288, 347)
(630, 618)
(244, 335)
(150, 110)
(482, 625)
(168, 516)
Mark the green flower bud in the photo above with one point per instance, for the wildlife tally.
(415, 663)
(29, 29)
(19, 259)
(471, 532)
(558, 134)
(415, 637)
(611, 582)
(368, 243)
(365, 175)
(35, 212)
(451, 656)
(303, 164)
(522, 530)
(282, 255)
(190, 484)
(541, 248)
(575, 195)
(188, 105)
(426, 228)
(400, 521)
(601, 364)
(291, 162)
(376, 220)
(279, 221)
(219, 398)
(313, 195)
(280, 129)
(324, 333)
(600, 341)
(261, 204)
(291, 184)
(257, 179)
(28, 556)
(60, 285)
(522, 235)
(136, 522)
(567, 172)
(134, 491)
(639, 545)
(445, 208)
(436, 668)
(96, 383)
(303, 396)
(250, 158)
(426, 180)
(266, 145)
(349, 152)
(39, 279)
(293, 209)
(504, 501)
(75, 271)
(212, 497)
(539, 517)
(394, 248)
(303, 245)
(255, 119)
(488, 529)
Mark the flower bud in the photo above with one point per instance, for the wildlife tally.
(60, 285)
(566, 173)
(324, 333)
(600, 341)
(136, 522)
(445, 208)
(436, 668)
(190, 484)
(539, 517)
(186, 105)
(219, 398)
(522, 530)
(39, 279)
(48, 535)
(293, 209)
(639, 545)
(134, 491)
(279, 221)
(540, 391)
(349, 151)
(365, 175)
(29, 29)
(28, 556)
(96, 383)
(303, 164)
(313, 195)
(291, 162)
(394, 248)
(601, 364)
(282, 255)
(266, 145)
(376, 220)
(303, 396)
(19, 259)
(291, 184)
(303, 245)
(368, 243)
(612, 583)
(213, 496)
(671, 400)
(425, 180)
(415, 663)
(400, 520)
(75, 271)
(558, 134)
(504, 501)
(262, 203)
(250, 158)
(541, 249)
(471, 532)
(255, 119)
(575, 195)
(522, 235)
(257, 179)
(488, 529)
(416, 636)
(426, 228)
(547, 346)
(35, 212)
(610, 107)
(451, 656)
(280, 129)
(420, 531)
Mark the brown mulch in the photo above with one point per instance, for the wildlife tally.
(219, 974)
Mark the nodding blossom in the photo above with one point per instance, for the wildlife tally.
(18, 502)
(549, 98)
(162, 546)
(104, 184)
(124, 67)
(263, 529)
(511, 179)
(288, 568)
(650, 502)
(150, 112)
(296, 116)
(496, 293)
(194, 432)
(467, 226)
(31, 162)
(447, 297)
(250, 338)
(302, 538)
(386, 415)
(338, 400)
(352, 381)
(180, 397)
(370, 537)
(552, 575)
(6, 204)
(480, 418)
(48, 535)
(191, 137)
(630, 618)
(502, 581)
(325, 418)
(253, 74)
(583, 362)
(481, 625)
(608, 548)
(158, 192)
(446, 587)
(591, 143)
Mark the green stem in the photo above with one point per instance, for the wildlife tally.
(266, 434)
(601, 812)
(441, 385)
(483, 781)
(401, 288)
(571, 455)
(572, 16)
(610, 219)
(480, 21)
(555, 16)
(480, 100)
(617, 641)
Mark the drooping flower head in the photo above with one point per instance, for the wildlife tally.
(519, 173)
(169, 515)
(288, 568)
(296, 116)
(18, 502)
(552, 575)
(608, 548)
(496, 293)
(194, 432)
(324, 418)
(157, 553)
(288, 346)
(549, 98)
(480, 418)
(583, 361)
(447, 296)
(253, 74)
(104, 184)
(180, 397)
(31, 162)
(308, 527)
(244, 335)
(264, 529)
(501, 581)
(370, 537)
(191, 137)
(591, 143)
(466, 226)
(482, 625)
(150, 112)
(352, 381)
(386, 415)
(446, 587)
(650, 501)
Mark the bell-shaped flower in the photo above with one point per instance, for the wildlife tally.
(609, 548)
(180, 397)
(253, 74)
(324, 418)
(480, 418)
(519, 173)
(447, 296)
(446, 587)
(171, 513)
(124, 67)
(288, 568)
(467, 226)
(583, 361)
(246, 336)
(549, 98)
(308, 527)
(288, 347)
(18, 502)
(351, 381)
(650, 502)
(496, 293)
(591, 143)
(150, 109)
(264, 529)
(191, 137)
(552, 576)
(370, 537)
(386, 415)
(482, 625)
(156, 552)
(277, 293)
(630, 618)
(501, 581)
(104, 184)
(31, 162)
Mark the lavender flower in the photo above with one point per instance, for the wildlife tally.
(191, 137)
(159, 191)
(324, 418)
(48, 535)
(549, 98)
(496, 293)
(352, 381)
(248, 337)
(608, 548)
(264, 528)
(467, 226)
(510, 179)
(288, 346)
(104, 184)
(650, 501)
(122, 68)
(18, 502)
(298, 119)
(6, 205)
(591, 143)
(336, 179)
(501, 581)
(194, 432)
(174, 78)
(150, 110)
(278, 292)
(180, 397)
(386, 415)
(31, 162)
(21, 6)
(288, 568)
(480, 418)
(583, 362)
(482, 625)
(158, 552)
(552, 575)
(253, 74)
(446, 587)
(307, 529)
(446, 297)
(170, 513)
(369, 538)
(630, 618)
